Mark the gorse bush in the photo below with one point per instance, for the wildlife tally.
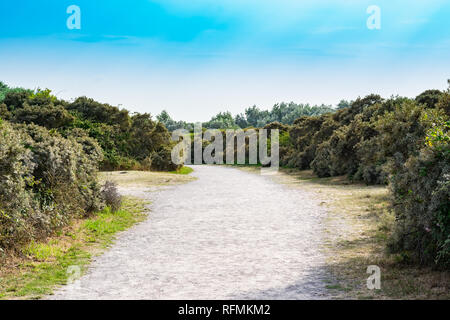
(125, 140)
(18, 209)
(45, 180)
(421, 198)
(398, 141)
(50, 153)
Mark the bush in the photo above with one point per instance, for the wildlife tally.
(19, 212)
(306, 134)
(111, 196)
(429, 98)
(48, 116)
(4, 113)
(45, 181)
(421, 200)
(162, 160)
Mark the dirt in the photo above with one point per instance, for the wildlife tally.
(229, 234)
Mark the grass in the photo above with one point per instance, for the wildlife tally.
(42, 266)
(147, 178)
(183, 170)
(356, 231)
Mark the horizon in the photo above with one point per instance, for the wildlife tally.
(197, 59)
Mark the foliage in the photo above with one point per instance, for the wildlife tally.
(221, 121)
(45, 180)
(111, 196)
(48, 116)
(4, 90)
(171, 124)
(126, 141)
(73, 247)
(400, 141)
(285, 113)
(421, 198)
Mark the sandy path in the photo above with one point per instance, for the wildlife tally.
(228, 235)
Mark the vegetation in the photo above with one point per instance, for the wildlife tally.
(42, 265)
(127, 141)
(45, 181)
(398, 141)
(51, 149)
(36, 268)
(50, 153)
(284, 113)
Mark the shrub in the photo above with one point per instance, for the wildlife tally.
(444, 103)
(429, 98)
(393, 127)
(162, 160)
(45, 181)
(18, 209)
(15, 99)
(421, 199)
(4, 113)
(306, 134)
(48, 116)
(111, 196)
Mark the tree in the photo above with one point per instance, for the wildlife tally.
(429, 98)
(343, 104)
(223, 120)
(241, 121)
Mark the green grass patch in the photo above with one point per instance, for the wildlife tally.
(47, 263)
(42, 251)
(106, 224)
(183, 170)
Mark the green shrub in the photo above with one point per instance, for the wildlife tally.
(18, 209)
(429, 98)
(4, 113)
(48, 116)
(161, 160)
(45, 181)
(421, 199)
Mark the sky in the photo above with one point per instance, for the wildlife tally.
(196, 58)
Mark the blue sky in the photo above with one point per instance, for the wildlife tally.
(195, 58)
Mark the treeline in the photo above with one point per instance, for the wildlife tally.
(50, 153)
(398, 141)
(128, 141)
(285, 113)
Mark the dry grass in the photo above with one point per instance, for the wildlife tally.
(144, 178)
(37, 268)
(356, 233)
